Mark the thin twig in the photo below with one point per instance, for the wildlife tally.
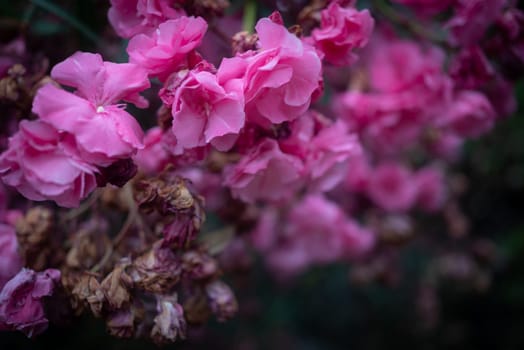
(66, 17)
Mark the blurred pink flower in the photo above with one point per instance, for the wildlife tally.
(431, 189)
(153, 157)
(470, 114)
(341, 31)
(10, 260)
(391, 187)
(132, 17)
(318, 232)
(265, 173)
(165, 50)
(471, 20)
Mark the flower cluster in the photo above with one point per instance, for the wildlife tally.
(314, 144)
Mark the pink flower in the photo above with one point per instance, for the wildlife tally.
(42, 164)
(470, 69)
(431, 191)
(279, 79)
(102, 129)
(470, 115)
(358, 174)
(10, 261)
(265, 173)
(471, 20)
(341, 31)
(165, 50)
(132, 17)
(330, 151)
(427, 7)
(21, 304)
(408, 91)
(403, 66)
(153, 157)
(264, 235)
(391, 187)
(318, 232)
(325, 154)
(205, 112)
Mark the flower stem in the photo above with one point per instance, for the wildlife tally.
(250, 16)
(66, 17)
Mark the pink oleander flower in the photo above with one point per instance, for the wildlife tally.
(391, 187)
(132, 17)
(358, 174)
(265, 173)
(471, 20)
(402, 66)
(43, 164)
(264, 235)
(341, 31)
(10, 261)
(427, 7)
(279, 79)
(408, 90)
(325, 153)
(431, 190)
(153, 157)
(318, 232)
(103, 130)
(205, 112)
(165, 50)
(470, 115)
(387, 123)
(470, 69)
(21, 304)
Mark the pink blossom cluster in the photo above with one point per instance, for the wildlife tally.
(308, 134)
(411, 101)
(77, 134)
(315, 231)
(395, 188)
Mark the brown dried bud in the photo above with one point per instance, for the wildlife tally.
(33, 232)
(164, 118)
(244, 41)
(89, 245)
(118, 173)
(309, 16)
(196, 307)
(121, 323)
(9, 89)
(165, 195)
(199, 265)
(221, 300)
(206, 8)
(116, 286)
(88, 292)
(156, 271)
(170, 323)
(296, 29)
(395, 229)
